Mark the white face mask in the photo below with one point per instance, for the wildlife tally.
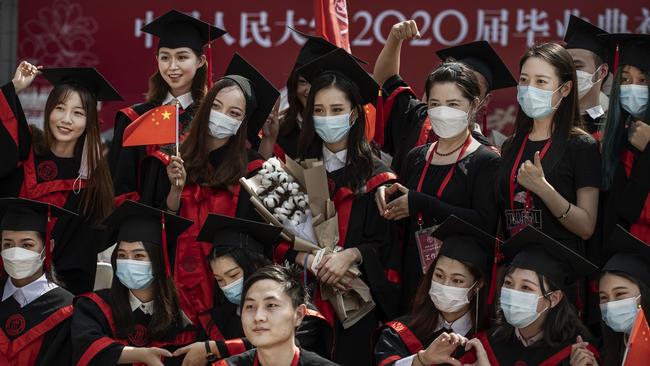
(448, 298)
(585, 82)
(222, 126)
(447, 122)
(333, 129)
(21, 263)
(519, 308)
(621, 314)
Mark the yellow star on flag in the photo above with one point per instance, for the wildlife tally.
(166, 114)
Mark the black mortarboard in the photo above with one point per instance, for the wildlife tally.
(87, 77)
(314, 48)
(134, 221)
(481, 57)
(532, 249)
(466, 243)
(20, 214)
(226, 231)
(260, 94)
(341, 61)
(584, 35)
(629, 255)
(176, 30)
(633, 48)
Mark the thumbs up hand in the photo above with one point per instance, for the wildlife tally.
(531, 175)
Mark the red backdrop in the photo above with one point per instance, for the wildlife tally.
(105, 34)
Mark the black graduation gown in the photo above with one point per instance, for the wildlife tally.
(39, 333)
(510, 351)
(50, 179)
(248, 359)
(407, 124)
(124, 162)
(93, 332)
(593, 126)
(363, 228)
(287, 144)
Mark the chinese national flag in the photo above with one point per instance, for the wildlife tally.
(332, 21)
(638, 348)
(156, 127)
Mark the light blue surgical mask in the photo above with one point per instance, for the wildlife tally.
(222, 126)
(233, 291)
(519, 308)
(133, 274)
(535, 102)
(634, 99)
(621, 314)
(332, 128)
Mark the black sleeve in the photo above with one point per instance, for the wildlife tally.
(315, 334)
(633, 196)
(404, 116)
(57, 346)
(483, 212)
(390, 347)
(154, 183)
(586, 162)
(124, 162)
(15, 137)
(91, 336)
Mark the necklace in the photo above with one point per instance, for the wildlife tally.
(449, 153)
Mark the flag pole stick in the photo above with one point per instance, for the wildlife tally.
(177, 148)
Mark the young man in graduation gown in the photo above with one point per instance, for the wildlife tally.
(240, 247)
(35, 312)
(273, 306)
(139, 319)
(589, 53)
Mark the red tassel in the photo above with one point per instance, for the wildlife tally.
(379, 119)
(493, 278)
(48, 237)
(164, 246)
(484, 126)
(617, 55)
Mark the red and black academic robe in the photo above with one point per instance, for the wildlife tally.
(53, 180)
(192, 273)
(124, 162)
(223, 325)
(37, 334)
(287, 144)
(93, 332)
(248, 358)
(362, 227)
(510, 351)
(407, 122)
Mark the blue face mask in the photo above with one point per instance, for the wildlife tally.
(135, 275)
(519, 308)
(621, 314)
(634, 99)
(233, 291)
(535, 102)
(332, 128)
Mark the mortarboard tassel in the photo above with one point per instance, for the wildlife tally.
(379, 119)
(617, 55)
(164, 246)
(493, 278)
(209, 60)
(48, 237)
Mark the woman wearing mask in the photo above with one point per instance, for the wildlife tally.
(137, 320)
(205, 177)
(449, 176)
(550, 173)
(447, 300)
(61, 164)
(333, 130)
(34, 312)
(239, 248)
(408, 124)
(626, 166)
(538, 325)
(624, 289)
(181, 77)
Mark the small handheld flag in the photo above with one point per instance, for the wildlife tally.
(638, 347)
(156, 127)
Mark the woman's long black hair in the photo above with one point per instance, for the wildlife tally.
(359, 165)
(248, 260)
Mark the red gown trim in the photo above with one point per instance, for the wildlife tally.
(408, 337)
(482, 336)
(56, 190)
(8, 118)
(235, 346)
(130, 113)
(210, 328)
(254, 165)
(119, 200)
(640, 228)
(278, 151)
(425, 132)
(281, 251)
(564, 354)
(388, 360)
(97, 346)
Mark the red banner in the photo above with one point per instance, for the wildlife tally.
(106, 35)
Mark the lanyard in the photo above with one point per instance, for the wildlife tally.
(294, 362)
(515, 167)
(445, 181)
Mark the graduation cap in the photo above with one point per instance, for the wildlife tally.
(233, 232)
(631, 49)
(260, 94)
(134, 221)
(584, 35)
(20, 214)
(314, 48)
(466, 243)
(341, 61)
(176, 29)
(482, 58)
(532, 249)
(630, 255)
(87, 77)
